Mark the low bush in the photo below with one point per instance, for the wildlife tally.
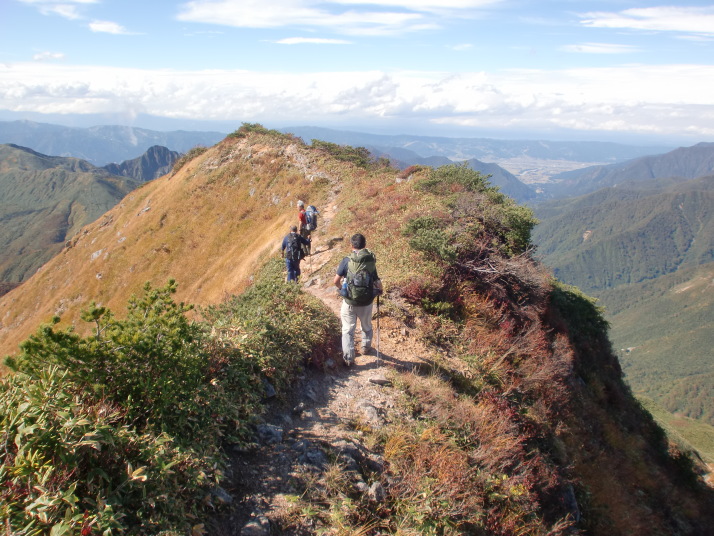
(121, 430)
(190, 155)
(359, 156)
(277, 326)
(72, 465)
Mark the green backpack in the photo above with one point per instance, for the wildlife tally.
(361, 268)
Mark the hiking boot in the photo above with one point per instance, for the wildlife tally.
(349, 362)
(366, 350)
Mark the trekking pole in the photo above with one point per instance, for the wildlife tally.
(379, 360)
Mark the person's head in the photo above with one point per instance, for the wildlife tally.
(358, 241)
(301, 204)
(293, 228)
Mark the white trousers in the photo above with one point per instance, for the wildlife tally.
(349, 315)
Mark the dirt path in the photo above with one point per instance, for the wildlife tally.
(319, 422)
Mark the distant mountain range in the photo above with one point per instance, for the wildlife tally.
(484, 149)
(154, 163)
(685, 162)
(45, 200)
(100, 145)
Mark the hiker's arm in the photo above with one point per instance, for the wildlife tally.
(378, 287)
(338, 281)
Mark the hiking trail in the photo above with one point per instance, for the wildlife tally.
(317, 424)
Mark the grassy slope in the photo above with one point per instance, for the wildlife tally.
(529, 404)
(46, 200)
(208, 226)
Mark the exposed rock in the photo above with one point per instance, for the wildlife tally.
(269, 434)
(221, 495)
(260, 526)
(269, 389)
(380, 379)
(376, 492)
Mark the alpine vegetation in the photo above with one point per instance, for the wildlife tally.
(217, 402)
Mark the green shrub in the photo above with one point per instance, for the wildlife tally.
(190, 155)
(71, 465)
(429, 235)
(154, 362)
(479, 216)
(454, 178)
(276, 325)
(359, 156)
(256, 128)
(120, 431)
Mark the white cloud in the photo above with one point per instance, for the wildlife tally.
(669, 99)
(311, 41)
(45, 56)
(697, 20)
(600, 48)
(69, 9)
(259, 14)
(462, 47)
(104, 26)
(352, 17)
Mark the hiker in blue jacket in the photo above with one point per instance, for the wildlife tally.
(293, 253)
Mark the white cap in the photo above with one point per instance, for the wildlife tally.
(300, 204)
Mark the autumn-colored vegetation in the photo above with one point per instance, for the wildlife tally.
(520, 423)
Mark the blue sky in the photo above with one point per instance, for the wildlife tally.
(601, 70)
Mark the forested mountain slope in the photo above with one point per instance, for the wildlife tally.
(517, 420)
(685, 162)
(627, 235)
(44, 200)
(645, 250)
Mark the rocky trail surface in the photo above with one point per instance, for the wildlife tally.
(319, 426)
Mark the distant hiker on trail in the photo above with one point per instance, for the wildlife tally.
(358, 284)
(307, 221)
(302, 223)
(292, 252)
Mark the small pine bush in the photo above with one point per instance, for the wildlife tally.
(121, 430)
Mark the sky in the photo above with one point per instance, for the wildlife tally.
(605, 70)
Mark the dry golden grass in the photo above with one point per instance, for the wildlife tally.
(210, 227)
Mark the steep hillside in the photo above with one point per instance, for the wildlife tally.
(664, 329)
(99, 145)
(686, 162)
(512, 418)
(626, 235)
(44, 200)
(206, 226)
(645, 250)
(154, 163)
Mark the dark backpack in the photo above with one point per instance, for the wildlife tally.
(311, 218)
(293, 251)
(361, 269)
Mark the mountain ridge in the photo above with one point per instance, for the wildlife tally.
(685, 162)
(100, 145)
(506, 426)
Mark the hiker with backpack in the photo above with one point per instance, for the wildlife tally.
(292, 252)
(307, 221)
(358, 284)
